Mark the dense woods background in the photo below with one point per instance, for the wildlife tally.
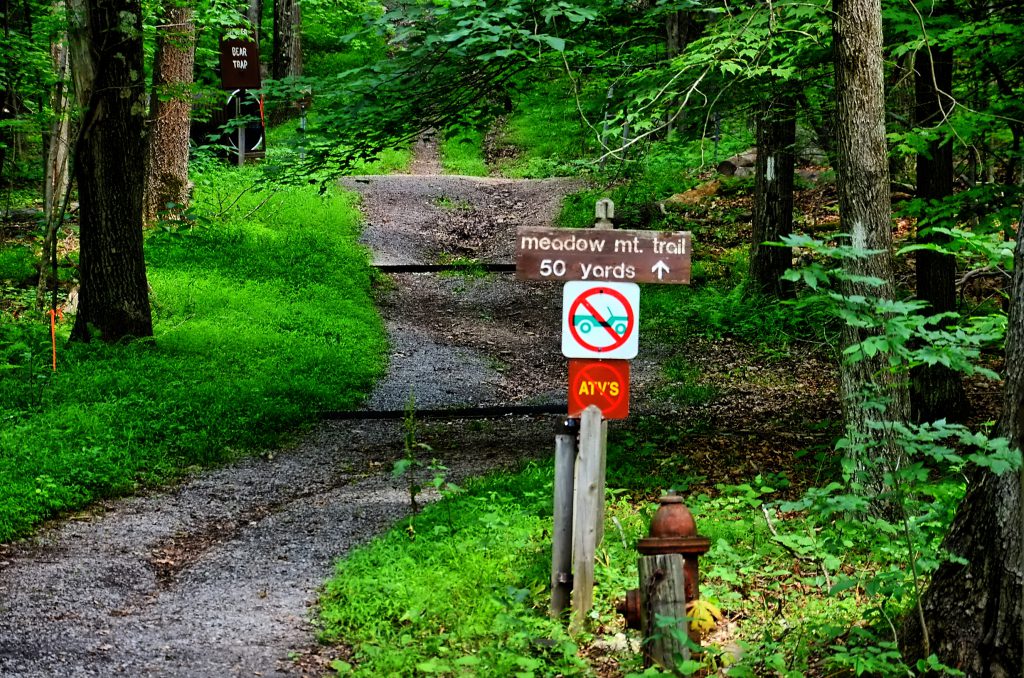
(111, 117)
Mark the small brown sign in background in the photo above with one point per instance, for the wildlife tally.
(240, 64)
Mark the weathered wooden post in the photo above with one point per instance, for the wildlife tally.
(589, 509)
(561, 538)
(663, 610)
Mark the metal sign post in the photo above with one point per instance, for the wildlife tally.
(241, 128)
(240, 69)
(561, 537)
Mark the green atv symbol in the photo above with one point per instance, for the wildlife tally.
(585, 323)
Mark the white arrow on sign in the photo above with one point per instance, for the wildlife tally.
(661, 268)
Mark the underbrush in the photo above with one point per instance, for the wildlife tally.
(288, 144)
(547, 132)
(466, 589)
(263, 317)
(461, 151)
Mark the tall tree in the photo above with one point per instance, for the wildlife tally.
(107, 63)
(773, 194)
(287, 59)
(937, 391)
(254, 15)
(167, 153)
(57, 175)
(974, 606)
(864, 210)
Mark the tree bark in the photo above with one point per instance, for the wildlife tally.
(773, 195)
(254, 15)
(106, 48)
(170, 112)
(57, 179)
(865, 213)
(937, 392)
(974, 611)
(57, 176)
(287, 59)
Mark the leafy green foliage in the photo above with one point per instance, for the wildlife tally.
(716, 310)
(448, 65)
(18, 264)
(262, 319)
(463, 592)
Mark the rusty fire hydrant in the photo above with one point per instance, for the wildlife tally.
(672, 530)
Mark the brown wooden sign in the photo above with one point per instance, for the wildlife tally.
(239, 64)
(605, 255)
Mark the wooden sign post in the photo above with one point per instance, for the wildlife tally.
(600, 329)
(588, 521)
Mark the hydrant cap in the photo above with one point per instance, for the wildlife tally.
(673, 530)
(673, 519)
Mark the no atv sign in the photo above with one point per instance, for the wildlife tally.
(604, 383)
(600, 320)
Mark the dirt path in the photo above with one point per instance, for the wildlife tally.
(218, 576)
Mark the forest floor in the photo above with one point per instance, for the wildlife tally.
(219, 576)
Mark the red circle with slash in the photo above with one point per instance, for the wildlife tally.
(604, 383)
(618, 339)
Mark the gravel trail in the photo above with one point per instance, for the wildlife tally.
(219, 576)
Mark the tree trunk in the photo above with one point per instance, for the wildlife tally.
(106, 49)
(57, 180)
(900, 96)
(773, 195)
(974, 611)
(254, 15)
(167, 154)
(57, 176)
(864, 209)
(937, 392)
(287, 59)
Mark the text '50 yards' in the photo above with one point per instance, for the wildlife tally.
(603, 255)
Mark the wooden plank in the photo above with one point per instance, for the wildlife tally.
(601, 479)
(663, 595)
(561, 538)
(588, 510)
(603, 255)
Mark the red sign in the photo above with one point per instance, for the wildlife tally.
(604, 383)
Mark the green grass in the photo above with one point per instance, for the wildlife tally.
(18, 264)
(462, 152)
(263, 316)
(546, 129)
(463, 590)
(285, 142)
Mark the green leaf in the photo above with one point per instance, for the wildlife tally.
(341, 667)
(557, 44)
